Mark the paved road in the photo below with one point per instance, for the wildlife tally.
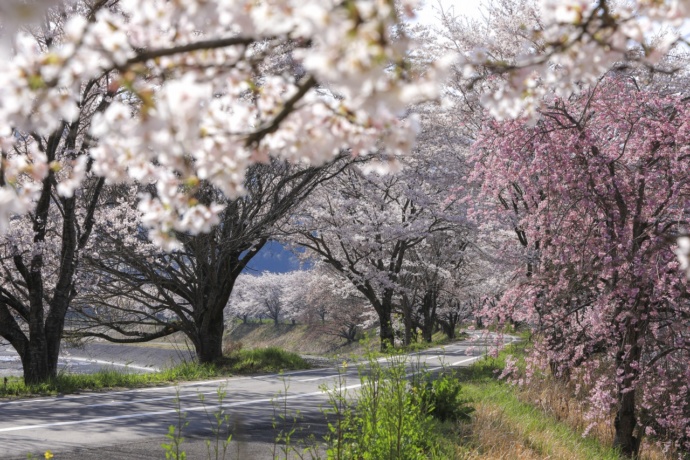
(94, 356)
(132, 424)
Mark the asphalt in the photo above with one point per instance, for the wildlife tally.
(132, 424)
(93, 356)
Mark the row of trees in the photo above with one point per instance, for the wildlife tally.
(127, 129)
(324, 298)
(595, 191)
(181, 105)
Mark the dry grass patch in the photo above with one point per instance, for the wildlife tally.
(544, 419)
(504, 427)
(558, 400)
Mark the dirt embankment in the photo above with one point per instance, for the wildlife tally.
(304, 339)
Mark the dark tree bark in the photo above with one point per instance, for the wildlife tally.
(27, 299)
(625, 423)
(428, 313)
(454, 313)
(35, 292)
(407, 310)
(209, 343)
(188, 290)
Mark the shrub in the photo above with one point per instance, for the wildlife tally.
(442, 397)
(391, 417)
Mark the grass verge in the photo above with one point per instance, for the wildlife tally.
(512, 422)
(369, 347)
(505, 427)
(269, 359)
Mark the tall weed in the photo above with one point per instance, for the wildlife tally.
(391, 415)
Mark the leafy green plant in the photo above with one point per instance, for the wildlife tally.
(270, 359)
(443, 398)
(286, 424)
(172, 449)
(220, 426)
(283, 422)
(389, 419)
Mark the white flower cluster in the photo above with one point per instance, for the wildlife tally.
(575, 43)
(189, 98)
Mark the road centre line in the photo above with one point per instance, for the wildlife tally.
(318, 378)
(449, 365)
(150, 414)
(467, 360)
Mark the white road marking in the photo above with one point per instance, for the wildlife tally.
(318, 378)
(150, 414)
(110, 363)
(450, 365)
(466, 360)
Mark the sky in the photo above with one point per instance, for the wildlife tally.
(274, 258)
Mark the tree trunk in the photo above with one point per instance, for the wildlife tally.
(40, 358)
(428, 331)
(406, 308)
(626, 420)
(451, 332)
(407, 336)
(429, 314)
(350, 334)
(448, 328)
(210, 348)
(387, 333)
(625, 424)
(209, 342)
(35, 362)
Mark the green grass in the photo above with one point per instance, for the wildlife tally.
(270, 359)
(242, 362)
(502, 418)
(540, 432)
(369, 347)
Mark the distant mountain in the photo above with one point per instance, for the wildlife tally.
(275, 258)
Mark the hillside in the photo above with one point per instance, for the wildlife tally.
(298, 338)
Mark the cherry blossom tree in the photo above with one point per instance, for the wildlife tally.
(365, 225)
(199, 97)
(572, 42)
(334, 305)
(596, 189)
(431, 268)
(276, 296)
(525, 49)
(242, 303)
(188, 289)
(39, 259)
(174, 96)
(50, 169)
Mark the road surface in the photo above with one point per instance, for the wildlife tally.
(132, 424)
(94, 356)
